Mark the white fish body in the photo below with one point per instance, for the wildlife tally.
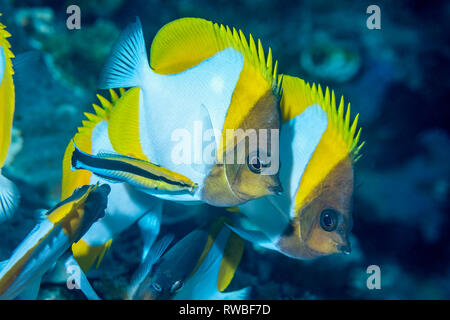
(204, 92)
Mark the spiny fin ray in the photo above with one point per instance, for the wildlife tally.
(202, 39)
(298, 95)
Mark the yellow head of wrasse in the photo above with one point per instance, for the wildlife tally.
(139, 173)
(322, 217)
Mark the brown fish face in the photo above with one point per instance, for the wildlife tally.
(249, 170)
(255, 173)
(323, 225)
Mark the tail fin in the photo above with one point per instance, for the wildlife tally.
(150, 225)
(9, 199)
(127, 63)
(242, 294)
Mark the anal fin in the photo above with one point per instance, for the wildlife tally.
(87, 255)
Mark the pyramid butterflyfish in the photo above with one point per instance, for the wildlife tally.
(205, 105)
(319, 145)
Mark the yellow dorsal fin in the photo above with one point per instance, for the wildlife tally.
(337, 142)
(7, 96)
(85, 254)
(123, 128)
(114, 96)
(297, 95)
(75, 179)
(4, 43)
(83, 139)
(107, 105)
(184, 43)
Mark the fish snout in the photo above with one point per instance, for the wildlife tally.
(274, 186)
(276, 189)
(344, 247)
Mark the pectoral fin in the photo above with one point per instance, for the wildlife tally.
(9, 199)
(146, 266)
(149, 225)
(123, 128)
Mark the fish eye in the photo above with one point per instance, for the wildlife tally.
(176, 286)
(329, 219)
(255, 163)
(156, 287)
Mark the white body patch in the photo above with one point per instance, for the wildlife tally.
(177, 112)
(217, 84)
(196, 98)
(298, 141)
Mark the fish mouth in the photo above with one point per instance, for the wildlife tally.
(276, 190)
(345, 247)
